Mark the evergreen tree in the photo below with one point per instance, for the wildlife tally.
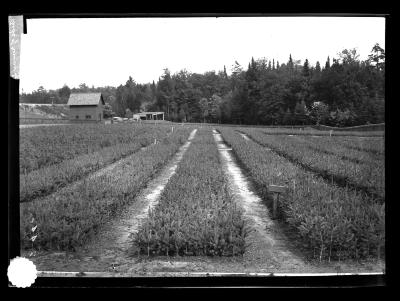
(225, 74)
(377, 57)
(328, 63)
(253, 63)
(317, 67)
(237, 74)
(290, 62)
(306, 69)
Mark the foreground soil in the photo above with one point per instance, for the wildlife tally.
(125, 264)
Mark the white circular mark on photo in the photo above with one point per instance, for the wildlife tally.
(21, 272)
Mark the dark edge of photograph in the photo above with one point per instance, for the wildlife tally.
(232, 280)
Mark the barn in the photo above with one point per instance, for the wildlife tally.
(86, 106)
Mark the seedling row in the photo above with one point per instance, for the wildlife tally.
(331, 147)
(47, 179)
(44, 146)
(369, 178)
(332, 222)
(314, 132)
(67, 218)
(196, 214)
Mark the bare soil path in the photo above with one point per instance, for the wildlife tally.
(267, 245)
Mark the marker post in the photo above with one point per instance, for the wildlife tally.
(276, 190)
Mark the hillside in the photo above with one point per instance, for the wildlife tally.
(27, 110)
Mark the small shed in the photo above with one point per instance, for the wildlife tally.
(151, 115)
(86, 106)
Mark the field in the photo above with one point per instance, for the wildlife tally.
(332, 220)
(136, 194)
(196, 214)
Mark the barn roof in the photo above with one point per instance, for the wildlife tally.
(85, 99)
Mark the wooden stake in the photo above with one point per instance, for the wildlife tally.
(276, 190)
(275, 205)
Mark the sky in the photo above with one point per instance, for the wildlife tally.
(105, 52)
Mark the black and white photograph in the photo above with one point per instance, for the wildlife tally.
(201, 146)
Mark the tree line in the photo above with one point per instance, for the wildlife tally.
(343, 92)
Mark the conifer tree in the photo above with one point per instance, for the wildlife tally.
(317, 67)
(328, 63)
(290, 63)
(253, 63)
(306, 69)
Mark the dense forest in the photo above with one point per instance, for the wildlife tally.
(343, 92)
